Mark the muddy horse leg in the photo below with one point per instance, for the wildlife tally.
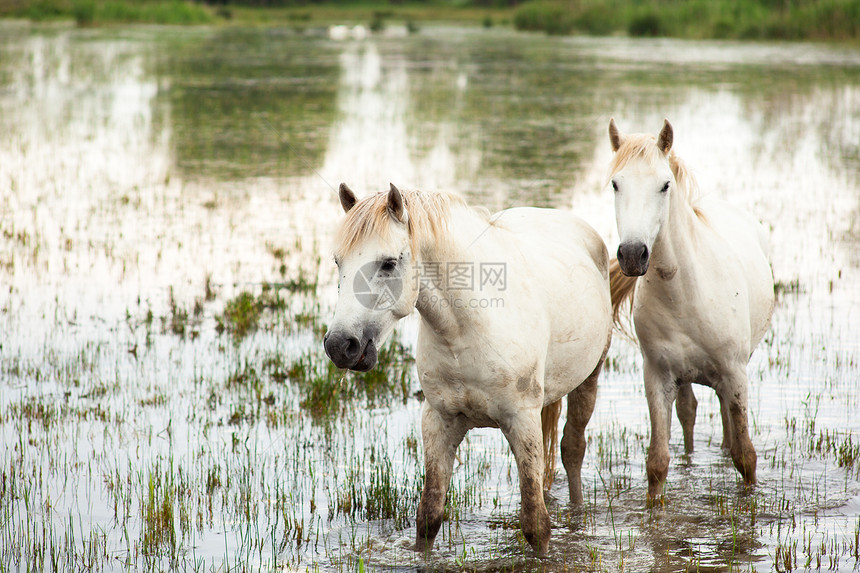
(580, 406)
(660, 392)
(441, 438)
(685, 408)
(733, 394)
(524, 435)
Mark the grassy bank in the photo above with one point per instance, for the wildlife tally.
(184, 12)
(752, 19)
(832, 20)
(89, 12)
(366, 13)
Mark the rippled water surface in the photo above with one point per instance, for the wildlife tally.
(154, 180)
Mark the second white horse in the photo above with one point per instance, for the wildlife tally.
(703, 299)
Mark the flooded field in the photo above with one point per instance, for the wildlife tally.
(167, 206)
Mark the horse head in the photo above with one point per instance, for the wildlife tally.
(642, 180)
(376, 277)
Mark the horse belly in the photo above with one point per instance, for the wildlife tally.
(691, 355)
(484, 392)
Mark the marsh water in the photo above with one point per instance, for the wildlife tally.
(152, 179)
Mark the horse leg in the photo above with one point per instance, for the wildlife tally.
(660, 392)
(523, 432)
(727, 425)
(580, 405)
(549, 422)
(441, 437)
(685, 407)
(734, 399)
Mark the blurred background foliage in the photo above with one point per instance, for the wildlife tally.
(827, 20)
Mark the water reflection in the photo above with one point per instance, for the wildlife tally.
(249, 104)
(78, 139)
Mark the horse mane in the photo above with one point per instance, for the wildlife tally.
(428, 216)
(621, 289)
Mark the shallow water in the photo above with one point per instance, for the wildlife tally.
(149, 176)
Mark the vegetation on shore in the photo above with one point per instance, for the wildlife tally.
(834, 20)
(752, 19)
(90, 12)
(251, 13)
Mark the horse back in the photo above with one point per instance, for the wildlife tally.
(555, 234)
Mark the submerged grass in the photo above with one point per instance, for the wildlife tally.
(374, 490)
(173, 499)
(241, 314)
(326, 389)
(244, 313)
(260, 400)
(157, 504)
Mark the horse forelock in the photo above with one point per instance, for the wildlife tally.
(644, 146)
(427, 216)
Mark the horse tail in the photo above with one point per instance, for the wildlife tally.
(549, 421)
(621, 289)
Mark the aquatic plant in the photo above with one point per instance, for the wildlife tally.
(243, 312)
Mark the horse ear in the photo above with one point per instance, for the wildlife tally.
(396, 207)
(664, 140)
(615, 137)
(347, 197)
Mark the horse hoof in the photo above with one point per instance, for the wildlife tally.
(423, 545)
(655, 501)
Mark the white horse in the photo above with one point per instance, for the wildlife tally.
(703, 301)
(515, 314)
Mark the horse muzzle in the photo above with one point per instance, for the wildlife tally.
(348, 352)
(633, 258)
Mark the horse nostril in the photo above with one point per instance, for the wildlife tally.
(351, 346)
(643, 257)
(633, 258)
(343, 349)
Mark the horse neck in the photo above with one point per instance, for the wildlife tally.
(674, 248)
(460, 247)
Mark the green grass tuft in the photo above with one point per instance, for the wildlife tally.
(326, 390)
(242, 314)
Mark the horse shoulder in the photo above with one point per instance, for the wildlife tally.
(732, 239)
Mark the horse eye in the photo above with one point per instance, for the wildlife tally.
(614, 186)
(388, 265)
(665, 187)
